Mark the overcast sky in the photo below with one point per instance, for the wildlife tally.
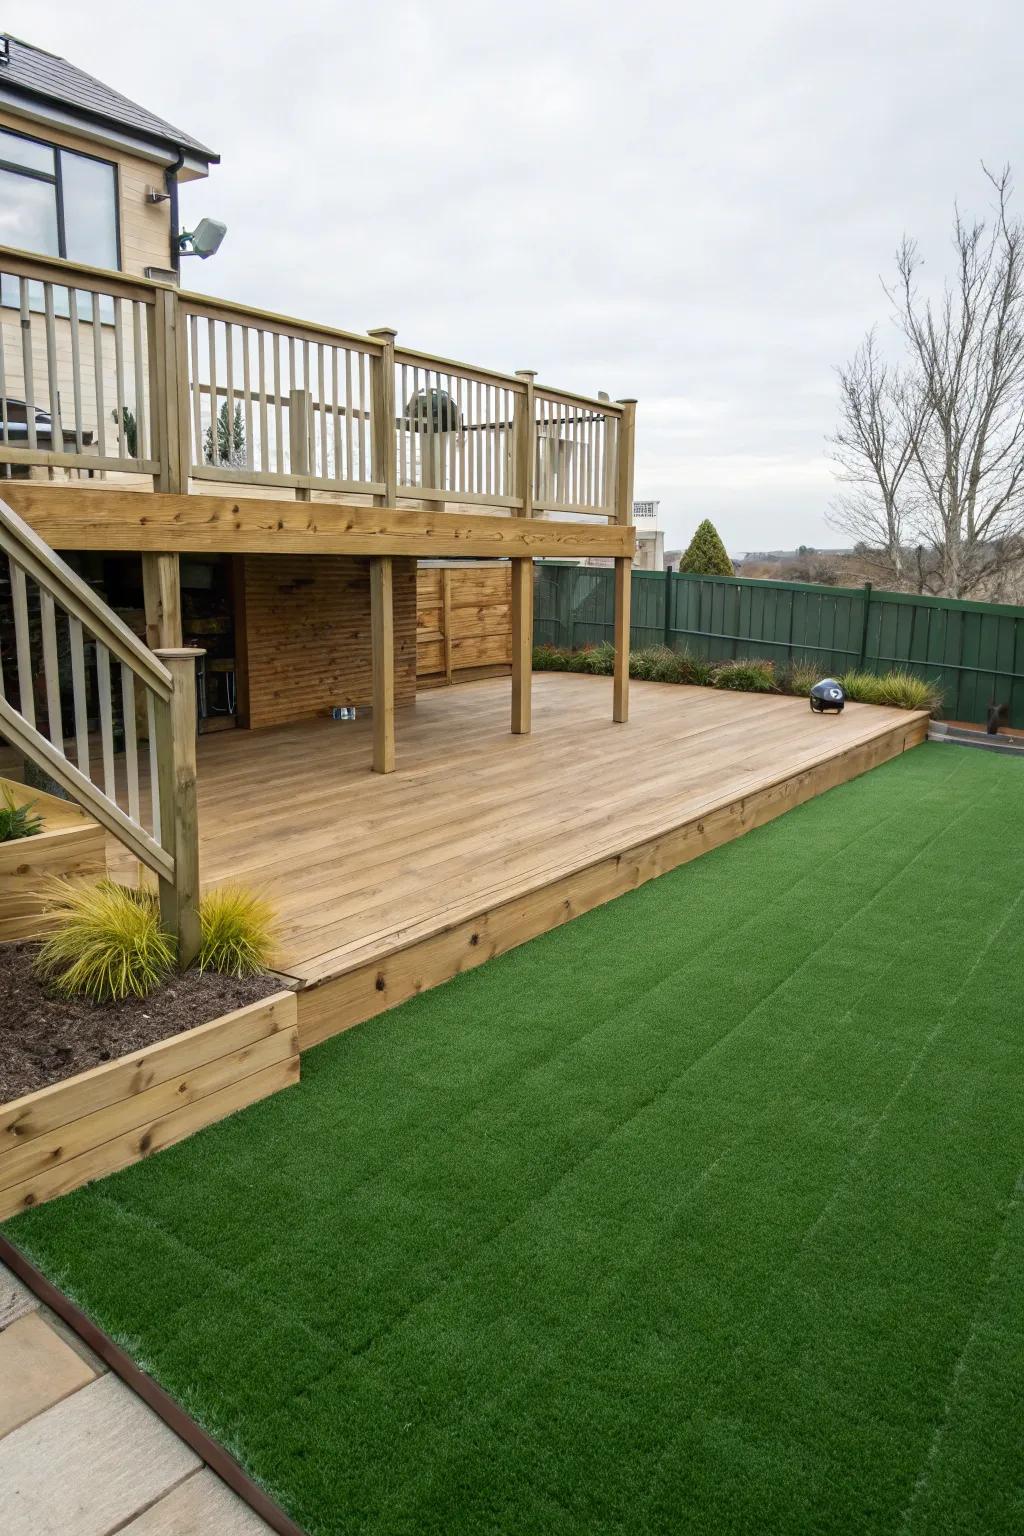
(687, 207)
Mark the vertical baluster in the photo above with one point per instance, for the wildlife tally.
(106, 719)
(278, 413)
(122, 445)
(404, 436)
(463, 406)
(417, 427)
(350, 472)
(76, 365)
(52, 378)
(250, 456)
(131, 744)
(211, 342)
(22, 643)
(81, 720)
(197, 398)
(261, 380)
(154, 766)
(364, 470)
(97, 374)
(322, 394)
(229, 390)
(141, 435)
(336, 416)
(478, 439)
(293, 385)
(51, 674)
(26, 360)
(5, 425)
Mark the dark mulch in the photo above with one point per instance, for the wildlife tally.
(44, 1038)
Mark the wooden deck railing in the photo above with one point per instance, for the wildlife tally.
(64, 632)
(106, 376)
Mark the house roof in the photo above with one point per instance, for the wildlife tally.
(43, 77)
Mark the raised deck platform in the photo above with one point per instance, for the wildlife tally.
(480, 840)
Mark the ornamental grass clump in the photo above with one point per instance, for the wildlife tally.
(106, 942)
(746, 676)
(17, 821)
(237, 932)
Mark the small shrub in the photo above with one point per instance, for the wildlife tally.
(706, 554)
(237, 936)
(862, 687)
(746, 676)
(799, 678)
(899, 690)
(16, 820)
(550, 658)
(106, 943)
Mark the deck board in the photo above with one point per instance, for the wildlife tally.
(357, 864)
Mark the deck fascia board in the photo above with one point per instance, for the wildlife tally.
(75, 517)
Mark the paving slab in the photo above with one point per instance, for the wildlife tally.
(15, 1299)
(200, 1504)
(89, 1464)
(37, 1369)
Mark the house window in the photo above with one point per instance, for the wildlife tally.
(57, 202)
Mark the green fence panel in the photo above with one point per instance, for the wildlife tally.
(973, 651)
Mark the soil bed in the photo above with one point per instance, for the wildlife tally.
(45, 1038)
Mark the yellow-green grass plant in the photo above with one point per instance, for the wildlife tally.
(104, 941)
(237, 931)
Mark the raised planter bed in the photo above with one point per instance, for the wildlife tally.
(70, 843)
(72, 1132)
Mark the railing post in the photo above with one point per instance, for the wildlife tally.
(623, 566)
(175, 721)
(382, 643)
(300, 426)
(169, 383)
(864, 630)
(524, 432)
(383, 431)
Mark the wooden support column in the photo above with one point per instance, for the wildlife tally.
(382, 632)
(623, 567)
(161, 587)
(175, 721)
(522, 646)
(383, 431)
(524, 439)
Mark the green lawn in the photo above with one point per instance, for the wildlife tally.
(702, 1214)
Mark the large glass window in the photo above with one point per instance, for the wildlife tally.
(58, 203)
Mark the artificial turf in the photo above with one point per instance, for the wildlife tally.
(700, 1214)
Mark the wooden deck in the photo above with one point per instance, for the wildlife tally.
(482, 839)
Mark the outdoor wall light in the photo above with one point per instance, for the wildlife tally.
(204, 240)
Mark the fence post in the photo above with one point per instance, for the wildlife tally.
(300, 413)
(383, 439)
(623, 566)
(668, 615)
(175, 721)
(864, 630)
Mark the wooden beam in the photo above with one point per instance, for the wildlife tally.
(522, 646)
(382, 631)
(620, 683)
(161, 588)
(77, 517)
(179, 813)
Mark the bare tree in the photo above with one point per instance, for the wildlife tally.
(880, 420)
(934, 451)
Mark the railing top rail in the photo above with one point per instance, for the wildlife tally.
(71, 274)
(21, 541)
(566, 397)
(417, 359)
(210, 306)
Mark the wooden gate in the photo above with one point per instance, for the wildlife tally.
(463, 620)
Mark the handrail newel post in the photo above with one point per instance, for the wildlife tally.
(300, 437)
(383, 425)
(623, 566)
(523, 439)
(175, 723)
(384, 468)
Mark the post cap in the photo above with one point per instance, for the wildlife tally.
(180, 652)
(383, 330)
(526, 373)
(627, 400)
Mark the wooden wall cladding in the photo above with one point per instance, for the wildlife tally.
(67, 1135)
(463, 620)
(302, 635)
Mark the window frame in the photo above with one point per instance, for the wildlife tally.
(56, 180)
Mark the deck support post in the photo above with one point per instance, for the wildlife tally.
(522, 646)
(161, 587)
(625, 454)
(175, 720)
(382, 634)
